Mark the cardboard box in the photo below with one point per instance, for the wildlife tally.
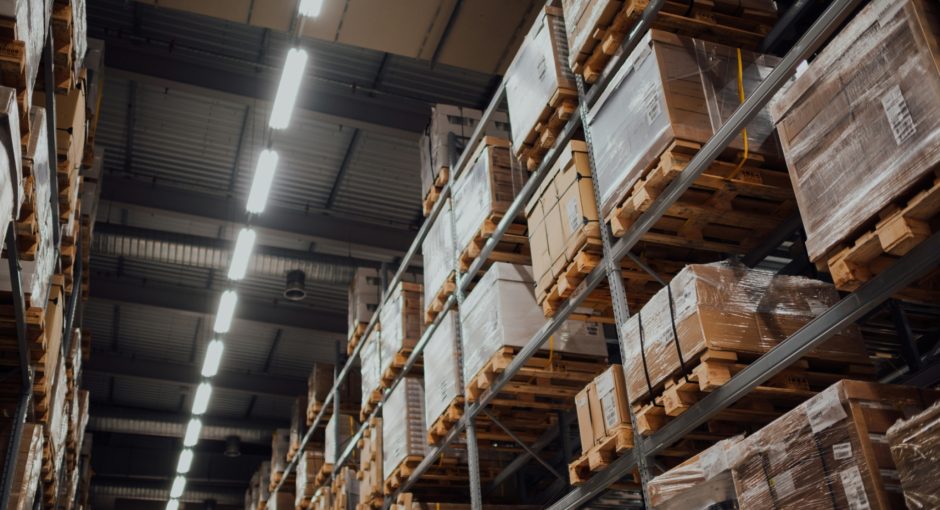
(597, 413)
(443, 381)
(703, 481)
(612, 395)
(860, 127)
(363, 296)
(915, 449)
(402, 319)
(439, 252)
(404, 431)
(583, 409)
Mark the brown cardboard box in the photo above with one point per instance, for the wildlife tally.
(597, 414)
(915, 448)
(585, 427)
(612, 393)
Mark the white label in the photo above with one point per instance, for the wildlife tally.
(842, 451)
(854, 489)
(824, 410)
(540, 68)
(783, 484)
(605, 383)
(574, 215)
(609, 405)
(652, 105)
(899, 116)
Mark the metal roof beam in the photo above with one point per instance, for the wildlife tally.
(230, 209)
(149, 422)
(188, 375)
(204, 302)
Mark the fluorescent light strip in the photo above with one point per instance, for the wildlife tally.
(173, 504)
(210, 366)
(179, 485)
(242, 254)
(201, 400)
(192, 432)
(185, 462)
(223, 317)
(294, 68)
(310, 8)
(261, 182)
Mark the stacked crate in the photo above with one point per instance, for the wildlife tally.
(345, 489)
(319, 385)
(915, 448)
(309, 464)
(346, 425)
(604, 424)
(402, 324)
(371, 482)
(280, 445)
(439, 255)
(364, 294)
(26, 474)
(403, 432)
(443, 385)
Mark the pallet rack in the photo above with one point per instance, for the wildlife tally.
(918, 262)
(25, 410)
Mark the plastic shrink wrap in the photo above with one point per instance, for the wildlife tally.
(309, 463)
(347, 427)
(364, 295)
(539, 69)
(403, 428)
(703, 481)
(31, 18)
(670, 88)
(435, 144)
(915, 448)
(58, 424)
(828, 453)
(439, 253)
(443, 380)
(402, 319)
(561, 216)
(280, 444)
(725, 307)
(370, 358)
(11, 172)
(861, 125)
(26, 474)
(486, 188)
(501, 312)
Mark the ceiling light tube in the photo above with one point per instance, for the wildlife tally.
(173, 504)
(192, 432)
(294, 68)
(310, 8)
(223, 317)
(185, 462)
(261, 182)
(201, 400)
(242, 254)
(210, 366)
(179, 485)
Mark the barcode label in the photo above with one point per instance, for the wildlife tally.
(899, 115)
(842, 451)
(825, 410)
(652, 104)
(854, 489)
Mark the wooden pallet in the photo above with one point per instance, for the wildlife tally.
(762, 405)
(601, 455)
(401, 473)
(513, 247)
(323, 475)
(61, 25)
(397, 364)
(434, 194)
(355, 336)
(436, 306)
(443, 424)
(547, 381)
(702, 20)
(369, 402)
(899, 228)
(560, 108)
(726, 210)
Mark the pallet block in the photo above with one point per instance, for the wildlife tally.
(560, 108)
(601, 455)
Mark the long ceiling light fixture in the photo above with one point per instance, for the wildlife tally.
(223, 317)
(289, 87)
(210, 366)
(201, 400)
(242, 254)
(261, 182)
(310, 8)
(185, 462)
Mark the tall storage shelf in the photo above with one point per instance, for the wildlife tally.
(828, 321)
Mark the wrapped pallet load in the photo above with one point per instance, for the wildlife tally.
(309, 464)
(440, 263)
(703, 481)
(403, 431)
(443, 384)
(371, 481)
(298, 417)
(319, 384)
(345, 426)
(280, 445)
(445, 139)
(371, 369)
(501, 314)
(30, 22)
(12, 191)
(915, 448)
(402, 319)
(540, 90)
(364, 294)
(26, 473)
(711, 317)
(861, 135)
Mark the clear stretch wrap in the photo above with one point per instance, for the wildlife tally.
(309, 463)
(486, 188)
(280, 444)
(298, 419)
(370, 358)
(443, 379)
(31, 18)
(434, 144)
(538, 71)
(703, 481)
(59, 418)
(347, 426)
(11, 172)
(440, 254)
(79, 35)
(671, 87)
(403, 430)
(402, 318)
(828, 453)
(861, 125)
(264, 475)
(726, 307)
(38, 271)
(582, 17)
(26, 473)
(915, 448)
(364, 295)
(501, 312)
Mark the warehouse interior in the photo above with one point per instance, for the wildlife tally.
(724, 310)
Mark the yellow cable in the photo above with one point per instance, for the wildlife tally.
(738, 168)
